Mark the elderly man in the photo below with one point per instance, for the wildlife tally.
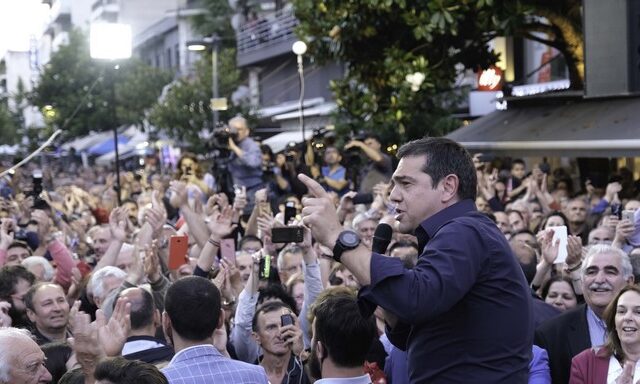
(246, 160)
(48, 311)
(605, 271)
(289, 262)
(21, 360)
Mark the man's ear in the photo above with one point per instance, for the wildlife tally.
(320, 350)
(31, 315)
(449, 185)
(221, 319)
(157, 318)
(166, 326)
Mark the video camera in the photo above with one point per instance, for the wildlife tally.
(221, 135)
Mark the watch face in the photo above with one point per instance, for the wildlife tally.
(349, 239)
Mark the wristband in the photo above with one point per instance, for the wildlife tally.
(213, 242)
(575, 267)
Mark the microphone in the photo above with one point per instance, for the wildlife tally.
(381, 238)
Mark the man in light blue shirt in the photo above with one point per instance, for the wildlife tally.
(192, 314)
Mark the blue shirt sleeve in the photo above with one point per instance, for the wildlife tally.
(252, 155)
(447, 269)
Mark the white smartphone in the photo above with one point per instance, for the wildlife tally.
(628, 214)
(560, 237)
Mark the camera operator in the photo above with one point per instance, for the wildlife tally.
(245, 163)
(292, 165)
(272, 174)
(379, 167)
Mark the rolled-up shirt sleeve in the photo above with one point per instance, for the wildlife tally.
(445, 272)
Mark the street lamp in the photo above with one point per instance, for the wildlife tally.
(110, 41)
(212, 41)
(300, 48)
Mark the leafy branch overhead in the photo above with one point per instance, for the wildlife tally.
(384, 41)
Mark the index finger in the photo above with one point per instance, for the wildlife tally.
(314, 187)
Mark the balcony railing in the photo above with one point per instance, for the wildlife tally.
(265, 38)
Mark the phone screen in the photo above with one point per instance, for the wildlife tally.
(289, 212)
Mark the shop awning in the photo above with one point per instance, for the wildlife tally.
(571, 127)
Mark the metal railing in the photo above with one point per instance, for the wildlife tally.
(267, 32)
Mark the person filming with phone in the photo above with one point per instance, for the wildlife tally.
(463, 313)
(276, 330)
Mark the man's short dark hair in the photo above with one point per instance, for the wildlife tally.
(266, 308)
(277, 291)
(9, 277)
(444, 157)
(247, 238)
(193, 305)
(344, 333)
(517, 161)
(371, 135)
(141, 310)
(122, 371)
(28, 297)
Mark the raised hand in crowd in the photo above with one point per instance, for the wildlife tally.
(112, 333)
(624, 229)
(611, 192)
(219, 225)
(6, 233)
(151, 262)
(292, 334)
(346, 208)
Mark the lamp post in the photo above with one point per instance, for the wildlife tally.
(300, 48)
(212, 41)
(110, 41)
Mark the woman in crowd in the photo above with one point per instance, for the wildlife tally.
(558, 292)
(614, 362)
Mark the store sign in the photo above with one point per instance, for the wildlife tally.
(490, 79)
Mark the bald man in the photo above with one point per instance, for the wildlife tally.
(141, 342)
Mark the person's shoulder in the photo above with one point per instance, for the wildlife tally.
(566, 319)
(243, 366)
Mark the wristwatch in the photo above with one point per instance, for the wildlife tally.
(347, 240)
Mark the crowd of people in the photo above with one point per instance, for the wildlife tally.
(490, 270)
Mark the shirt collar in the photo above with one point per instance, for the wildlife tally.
(206, 348)
(364, 379)
(431, 225)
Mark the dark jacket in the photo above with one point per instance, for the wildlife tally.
(564, 337)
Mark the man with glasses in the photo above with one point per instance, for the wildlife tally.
(15, 281)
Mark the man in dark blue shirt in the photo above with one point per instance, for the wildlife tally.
(463, 313)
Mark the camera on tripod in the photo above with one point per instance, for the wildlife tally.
(221, 135)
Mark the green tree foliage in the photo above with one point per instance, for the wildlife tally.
(73, 82)
(383, 41)
(9, 124)
(184, 110)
